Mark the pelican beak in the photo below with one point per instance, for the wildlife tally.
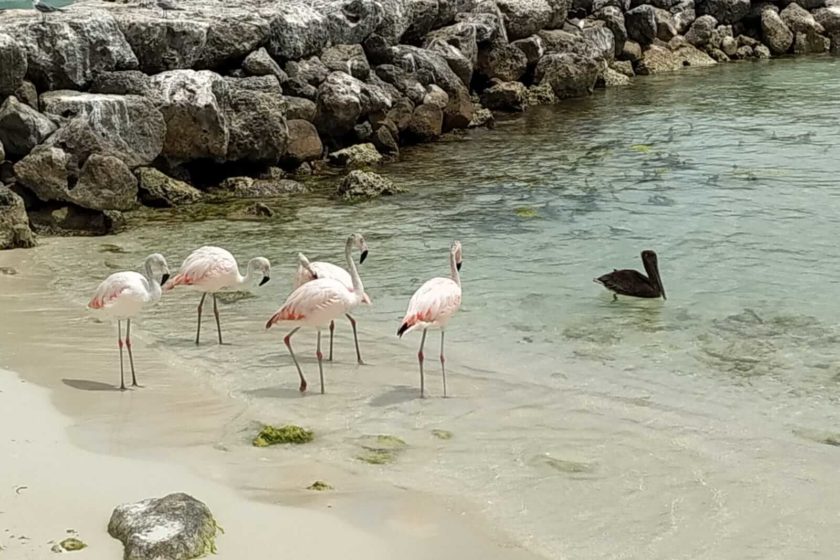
(264, 280)
(164, 278)
(363, 257)
(458, 265)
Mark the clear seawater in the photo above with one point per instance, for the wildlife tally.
(702, 427)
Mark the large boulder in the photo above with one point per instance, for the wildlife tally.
(105, 183)
(175, 527)
(775, 33)
(22, 127)
(192, 104)
(502, 61)
(684, 14)
(45, 172)
(505, 96)
(128, 127)
(426, 123)
(339, 104)
(725, 11)
(570, 75)
(487, 20)
(532, 47)
(69, 51)
(460, 35)
(613, 19)
(304, 143)
(457, 60)
(459, 112)
(161, 191)
(657, 59)
(347, 58)
(356, 156)
(14, 223)
(163, 44)
(641, 24)
(810, 42)
(525, 17)
(364, 184)
(13, 65)
(701, 31)
(123, 82)
(559, 13)
(666, 27)
(829, 18)
(260, 63)
(597, 43)
(799, 20)
(430, 67)
(256, 121)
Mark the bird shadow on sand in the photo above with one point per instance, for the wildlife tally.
(396, 395)
(87, 385)
(274, 393)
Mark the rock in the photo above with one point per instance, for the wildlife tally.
(658, 59)
(684, 15)
(716, 54)
(105, 183)
(161, 191)
(175, 527)
(27, 94)
(260, 63)
(192, 104)
(725, 11)
(506, 96)
(666, 28)
(401, 114)
(559, 13)
(304, 142)
(811, 4)
(458, 113)
(249, 187)
(436, 96)
(426, 123)
(829, 18)
(342, 101)
(356, 156)
(596, 43)
(347, 58)
(775, 33)
(385, 141)
(14, 223)
(363, 184)
(532, 47)
(128, 127)
(13, 65)
(457, 61)
(300, 108)
(256, 122)
(613, 20)
(729, 45)
(484, 118)
(125, 82)
(623, 67)
(569, 75)
(22, 127)
(489, 24)
(641, 24)
(2, 153)
(611, 78)
(799, 20)
(73, 220)
(45, 172)
(701, 31)
(761, 51)
(525, 17)
(458, 45)
(810, 42)
(70, 544)
(631, 51)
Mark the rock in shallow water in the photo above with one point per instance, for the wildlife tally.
(175, 527)
(14, 224)
(363, 184)
(160, 190)
(359, 155)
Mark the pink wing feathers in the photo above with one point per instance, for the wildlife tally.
(202, 264)
(432, 304)
(112, 288)
(312, 300)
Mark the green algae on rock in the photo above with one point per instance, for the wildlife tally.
(69, 544)
(381, 449)
(319, 486)
(442, 434)
(526, 212)
(271, 435)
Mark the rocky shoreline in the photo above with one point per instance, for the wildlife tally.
(110, 106)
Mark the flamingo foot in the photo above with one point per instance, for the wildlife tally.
(302, 387)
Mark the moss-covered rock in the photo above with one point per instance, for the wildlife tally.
(364, 184)
(319, 486)
(70, 544)
(442, 434)
(272, 435)
(381, 449)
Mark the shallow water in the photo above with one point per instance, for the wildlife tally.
(703, 427)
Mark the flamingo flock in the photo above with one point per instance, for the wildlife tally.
(322, 293)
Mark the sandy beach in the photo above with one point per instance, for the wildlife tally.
(74, 447)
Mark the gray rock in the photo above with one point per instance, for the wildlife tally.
(363, 184)
(13, 65)
(362, 132)
(701, 31)
(729, 45)
(175, 527)
(27, 93)
(666, 28)
(684, 15)
(426, 123)
(250, 187)
(105, 183)
(811, 4)
(22, 127)
(436, 96)
(505, 96)
(459, 112)
(483, 118)
(45, 172)
(163, 44)
(127, 127)
(300, 108)
(462, 36)
(256, 122)
(356, 156)
(716, 54)
(829, 18)
(725, 11)
(304, 142)
(260, 63)
(430, 67)
(569, 75)
(559, 13)
(775, 33)
(761, 51)
(502, 61)
(656, 59)
(489, 25)
(810, 42)
(162, 191)
(743, 52)
(311, 71)
(596, 43)
(125, 82)
(339, 104)
(799, 20)
(401, 113)
(623, 67)
(2, 153)
(350, 59)
(611, 78)
(457, 61)
(14, 223)
(631, 51)
(613, 19)
(385, 140)
(192, 104)
(525, 17)
(73, 220)
(641, 24)
(532, 47)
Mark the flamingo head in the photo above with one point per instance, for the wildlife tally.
(457, 253)
(357, 240)
(261, 266)
(156, 264)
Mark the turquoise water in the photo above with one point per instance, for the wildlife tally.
(586, 428)
(24, 4)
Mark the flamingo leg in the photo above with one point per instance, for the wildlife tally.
(356, 340)
(320, 357)
(442, 364)
(130, 356)
(200, 306)
(420, 359)
(288, 340)
(120, 343)
(216, 313)
(332, 330)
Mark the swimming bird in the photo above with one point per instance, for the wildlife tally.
(319, 302)
(213, 269)
(432, 306)
(123, 294)
(633, 283)
(45, 9)
(308, 271)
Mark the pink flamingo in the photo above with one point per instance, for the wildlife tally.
(122, 295)
(432, 306)
(320, 301)
(213, 269)
(308, 271)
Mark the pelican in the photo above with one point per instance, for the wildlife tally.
(633, 283)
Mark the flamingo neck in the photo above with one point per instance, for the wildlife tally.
(358, 287)
(453, 266)
(154, 285)
(249, 278)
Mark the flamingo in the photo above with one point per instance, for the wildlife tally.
(212, 269)
(432, 306)
(320, 301)
(123, 294)
(308, 271)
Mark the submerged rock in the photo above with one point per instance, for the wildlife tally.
(506, 96)
(356, 156)
(380, 450)
(175, 527)
(71, 544)
(14, 223)
(271, 435)
(364, 184)
(160, 190)
(249, 187)
(319, 486)
(658, 59)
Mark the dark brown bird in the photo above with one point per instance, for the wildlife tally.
(633, 283)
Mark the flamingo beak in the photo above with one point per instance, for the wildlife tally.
(164, 278)
(363, 257)
(264, 280)
(458, 265)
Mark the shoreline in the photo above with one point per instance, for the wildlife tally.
(191, 439)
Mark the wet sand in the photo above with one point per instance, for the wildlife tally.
(80, 447)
